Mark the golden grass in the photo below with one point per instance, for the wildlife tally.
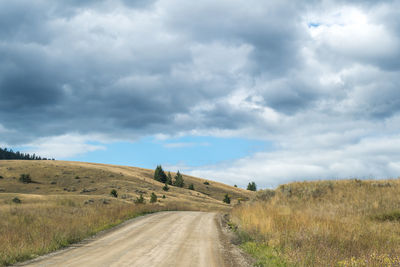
(326, 223)
(41, 225)
(66, 202)
(59, 177)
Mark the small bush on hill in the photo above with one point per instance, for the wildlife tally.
(114, 193)
(153, 198)
(206, 183)
(165, 187)
(390, 216)
(191, 187)
(1, 177)
(227, 199)
(25, 178)
(16, 200)
(140, 200)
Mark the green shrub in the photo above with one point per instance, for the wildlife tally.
(206, 183)
(389, 216)
(140, 200)
(1, 177)
(163, 196)
(16, 200)
(191, 187)
(153, 198)
(114, 193)
(165, 187)
(25, 178)
(227, 199)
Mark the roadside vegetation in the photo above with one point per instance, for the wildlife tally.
(36, 225)
(324, 223)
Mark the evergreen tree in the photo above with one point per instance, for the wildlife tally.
(252, 186)
(179, 180)
(169, 178)
(159, 175)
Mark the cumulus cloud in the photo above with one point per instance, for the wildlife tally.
(296, 74)
(63, 146)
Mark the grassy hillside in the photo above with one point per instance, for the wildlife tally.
(69, 201)
(325, 223)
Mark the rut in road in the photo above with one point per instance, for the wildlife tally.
(161, 239)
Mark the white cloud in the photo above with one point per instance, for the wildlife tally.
(64, 146)
(370, 158)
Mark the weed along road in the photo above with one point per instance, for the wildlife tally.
(160, 239)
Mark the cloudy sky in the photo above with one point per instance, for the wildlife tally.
(270, 91)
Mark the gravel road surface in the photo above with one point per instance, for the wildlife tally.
(160, 239)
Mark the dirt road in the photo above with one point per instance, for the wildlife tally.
(161, 239)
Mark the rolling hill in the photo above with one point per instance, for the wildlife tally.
(91, 179)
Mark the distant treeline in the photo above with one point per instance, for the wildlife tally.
(10, 154)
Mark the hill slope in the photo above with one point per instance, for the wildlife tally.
(79, 178)
(324, 223)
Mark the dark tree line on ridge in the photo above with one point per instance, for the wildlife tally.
(10, 154)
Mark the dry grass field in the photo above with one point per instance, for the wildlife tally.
(324, 223)
(70, 201)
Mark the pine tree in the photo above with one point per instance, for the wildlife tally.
(179, 180)
(169, 178)
(252, 186)
(159, 175)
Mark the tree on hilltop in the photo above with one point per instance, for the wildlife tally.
(179, 180)
(169, 179)
(252, 186)
(159, 175)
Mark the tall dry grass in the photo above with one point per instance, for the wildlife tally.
(328, 223)
(36, 227)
